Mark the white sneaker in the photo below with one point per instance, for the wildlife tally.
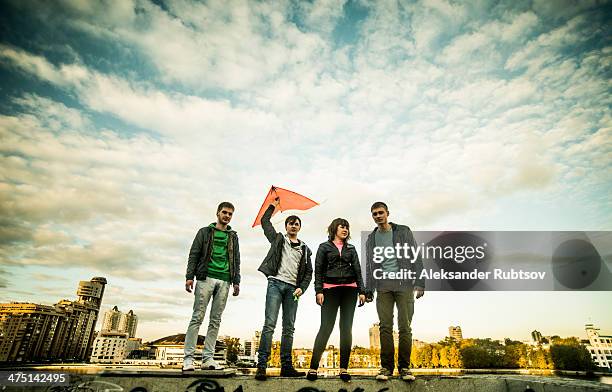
(211, 364)
(407, 375)
(188, 366)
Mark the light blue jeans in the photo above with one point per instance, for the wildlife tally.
(205, 290)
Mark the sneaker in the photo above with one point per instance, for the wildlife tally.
(406, 375)
(188, 367)
(261, 374)
(312, 375)
(383, 374)
(291, 372)
(211, 364)
(344, 375)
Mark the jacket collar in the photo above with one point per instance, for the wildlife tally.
(214, 226)
(393, 227)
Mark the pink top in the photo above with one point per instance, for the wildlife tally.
(339, 245)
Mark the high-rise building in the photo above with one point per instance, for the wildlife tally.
(455, 333)
(32, 332)
(599, 346)
(536, 337)
(374, 333)
(29, 331)
(252, 346)
(111, 319)
(117, 321)
(128, 323)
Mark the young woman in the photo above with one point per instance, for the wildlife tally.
(338, 284)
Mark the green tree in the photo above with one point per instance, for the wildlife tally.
(482, 353)
(539, 359)
(569, 354)
(513, 351)
(232, 349)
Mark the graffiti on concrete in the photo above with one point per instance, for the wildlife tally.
(87, 386)
(201, 385)
(358, 389)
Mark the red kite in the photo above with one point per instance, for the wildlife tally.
(289, 200)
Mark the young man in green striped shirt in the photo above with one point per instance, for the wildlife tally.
(214, 260)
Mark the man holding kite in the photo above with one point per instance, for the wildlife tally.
(288, 268)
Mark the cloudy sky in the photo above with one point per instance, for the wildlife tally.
(124, 124)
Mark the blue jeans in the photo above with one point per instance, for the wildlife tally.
(278, 293)
(204, 291)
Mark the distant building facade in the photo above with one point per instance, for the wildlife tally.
(251, 346)
(115, 320)
(599, 346)
(170, 350)
(111, 320)
(455, 333)
(128, 323)
(109, 347)
(32, 332)
(374, 333)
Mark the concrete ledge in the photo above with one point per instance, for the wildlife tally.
(170, 382)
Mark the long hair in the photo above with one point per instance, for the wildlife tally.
(333, 228)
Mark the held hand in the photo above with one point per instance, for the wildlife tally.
(276, 202)
(297, 292)
(236, 290)
(362, 299)
(320, 299)
(189, 285)
(419, 292)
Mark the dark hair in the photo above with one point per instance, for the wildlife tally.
(292, 218)
(225, 204)
(379, 204)
(333, 228)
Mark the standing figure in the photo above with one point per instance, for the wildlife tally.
(214, 260)
(339, 284)
(289, 271)
(393, 293)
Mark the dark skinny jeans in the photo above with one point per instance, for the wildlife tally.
(344, 298)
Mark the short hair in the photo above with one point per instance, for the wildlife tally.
(225, 204)
(291, 219)
(379, 204)
(333, 228)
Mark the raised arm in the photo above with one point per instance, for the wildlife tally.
(266, 224)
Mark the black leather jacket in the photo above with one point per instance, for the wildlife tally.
(201, 249)
(332, 267)
(272, 261)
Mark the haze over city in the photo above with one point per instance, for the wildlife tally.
(124, 124)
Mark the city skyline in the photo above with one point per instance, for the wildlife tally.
(124, 125)
(524, 337)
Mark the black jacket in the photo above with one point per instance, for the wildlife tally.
(401, 235)
(272, 261)
(331, 267)
(201, 249)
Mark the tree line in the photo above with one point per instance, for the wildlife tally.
(562, 354)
